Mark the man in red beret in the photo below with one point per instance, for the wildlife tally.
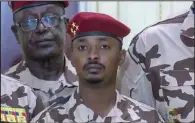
(96, 54)
(40, 28)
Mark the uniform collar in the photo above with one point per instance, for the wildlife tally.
(67, 79)
(85, 114)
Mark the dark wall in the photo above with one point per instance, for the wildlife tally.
(10, 49)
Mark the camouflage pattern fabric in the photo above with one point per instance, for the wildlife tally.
(74, 110)
(159, 68)
(15, 95)
(47, 91)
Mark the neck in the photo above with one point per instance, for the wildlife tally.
(47, 69)
(100, 100)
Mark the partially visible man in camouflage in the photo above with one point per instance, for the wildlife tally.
(40, 28)
(159, 68)
(96, 54)
(18, 101)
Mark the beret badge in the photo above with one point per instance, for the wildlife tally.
(74, 28)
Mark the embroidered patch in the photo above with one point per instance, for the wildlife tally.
(74, 28)
(13, 115)
(173, 115)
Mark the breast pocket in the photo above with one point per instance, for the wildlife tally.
(177, 87)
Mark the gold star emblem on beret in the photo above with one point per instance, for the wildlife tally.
(74, 28)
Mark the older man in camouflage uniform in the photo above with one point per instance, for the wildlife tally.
(96, 54)
(18, 101)
(40, 28)
(159, 68)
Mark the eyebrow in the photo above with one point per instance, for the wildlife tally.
(25, 12)
(81, 40)
(100, 39)
(53, 10)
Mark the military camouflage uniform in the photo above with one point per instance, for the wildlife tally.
(74, 110)
(48, 91)
(159, 68)
(17, 95)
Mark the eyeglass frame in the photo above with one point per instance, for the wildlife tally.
(40, 20)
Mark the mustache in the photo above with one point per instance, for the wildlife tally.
(93, 62)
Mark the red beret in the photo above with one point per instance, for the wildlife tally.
(90, 23)
(18, 5)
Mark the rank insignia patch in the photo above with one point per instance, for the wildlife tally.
(13, 115)
(173, 115)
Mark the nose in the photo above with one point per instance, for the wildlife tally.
(93, 54)
(41, 28)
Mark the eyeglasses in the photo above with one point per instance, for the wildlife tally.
(47, 21)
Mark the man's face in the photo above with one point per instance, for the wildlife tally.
(96, 58)
(43, 42)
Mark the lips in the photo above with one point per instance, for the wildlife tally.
(42, 40)
(93, 68)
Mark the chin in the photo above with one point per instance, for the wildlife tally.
(44, 54)
(94, 81)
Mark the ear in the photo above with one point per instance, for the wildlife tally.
(122, 57)
(15, 31)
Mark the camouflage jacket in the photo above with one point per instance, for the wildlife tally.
(159, 68)
(48, 91)
(18, 101)
(74, 110)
